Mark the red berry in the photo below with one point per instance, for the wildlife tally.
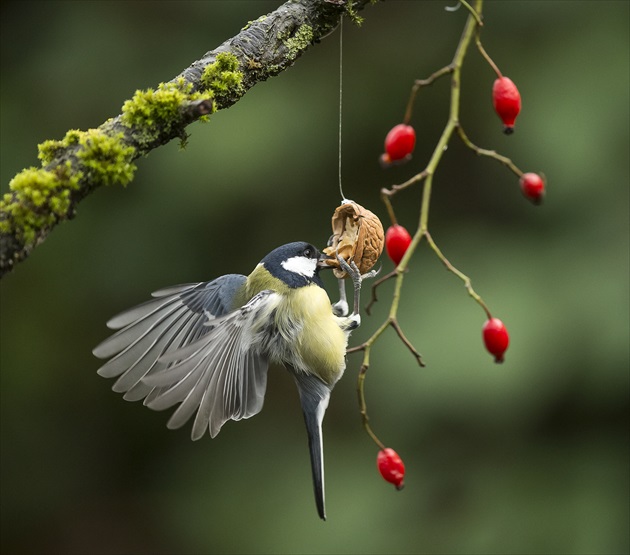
(496, 338)
(533, 187)
(391, 467)
(397, 240)
(507, 102)
(399, 143)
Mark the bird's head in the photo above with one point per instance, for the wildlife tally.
(295, 264)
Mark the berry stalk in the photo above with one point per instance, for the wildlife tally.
(425, 176)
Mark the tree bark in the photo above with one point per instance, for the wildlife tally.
(264, 48)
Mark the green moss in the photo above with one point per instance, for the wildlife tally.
(39, 198)
(299, 42)
(223, 78)
(155, 112)
(354, 15)
(50, 150)
(105, 159)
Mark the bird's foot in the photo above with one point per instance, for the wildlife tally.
(357, 279)
(341, 308)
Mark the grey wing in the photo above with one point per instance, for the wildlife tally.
(173, 319)
(222, 375)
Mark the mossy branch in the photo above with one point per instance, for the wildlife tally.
(41, 197)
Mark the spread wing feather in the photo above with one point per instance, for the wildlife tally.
(188, 345)
(222, 375)
(174, 318)
(163, 297)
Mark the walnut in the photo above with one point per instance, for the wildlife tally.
(357, 236)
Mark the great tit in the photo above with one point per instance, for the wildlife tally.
(208, 345)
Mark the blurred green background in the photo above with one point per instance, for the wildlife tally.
(526, 457)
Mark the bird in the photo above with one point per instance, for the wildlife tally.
(207, 346)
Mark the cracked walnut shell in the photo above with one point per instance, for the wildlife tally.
(357, 236)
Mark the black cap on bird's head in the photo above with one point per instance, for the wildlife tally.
(296, 264)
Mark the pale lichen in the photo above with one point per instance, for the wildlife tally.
(299, 42)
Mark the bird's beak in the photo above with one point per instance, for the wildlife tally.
(323, 262)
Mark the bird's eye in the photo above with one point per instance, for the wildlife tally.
(308, 253)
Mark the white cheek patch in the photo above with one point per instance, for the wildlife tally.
(300, 265)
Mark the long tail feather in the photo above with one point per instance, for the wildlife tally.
(316, 449)
(314, 396)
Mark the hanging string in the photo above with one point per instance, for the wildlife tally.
(340, 99)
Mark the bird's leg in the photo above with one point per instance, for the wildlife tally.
(357, 278)
(340, 308)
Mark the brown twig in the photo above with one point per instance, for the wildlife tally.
(406, 341)
(374, 299)
(459, 274)
(386, 193)
(419, 83)
(489, 153)
(363, 407)
(487, 57)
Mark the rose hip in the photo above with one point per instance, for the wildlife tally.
(496, 338)
(533, 187)
(399, 143)
(397, 240)
(507, 102)
(391, 467)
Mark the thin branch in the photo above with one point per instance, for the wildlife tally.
(395, 188)
(472, 12)
(489, 153)
(418, 83)
(454, 68)
(363, 406)
(487, 57)
(459, 274)
(407, 343)
(263, 48)
(385, 194)
(374, 299)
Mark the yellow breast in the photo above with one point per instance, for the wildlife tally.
(320, 342)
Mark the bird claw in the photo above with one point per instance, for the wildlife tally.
(371, 274)
(353, 271)
(357, 279)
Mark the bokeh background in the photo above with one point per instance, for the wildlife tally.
(526, 457)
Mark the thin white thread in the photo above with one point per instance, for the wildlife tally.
(340, 99)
